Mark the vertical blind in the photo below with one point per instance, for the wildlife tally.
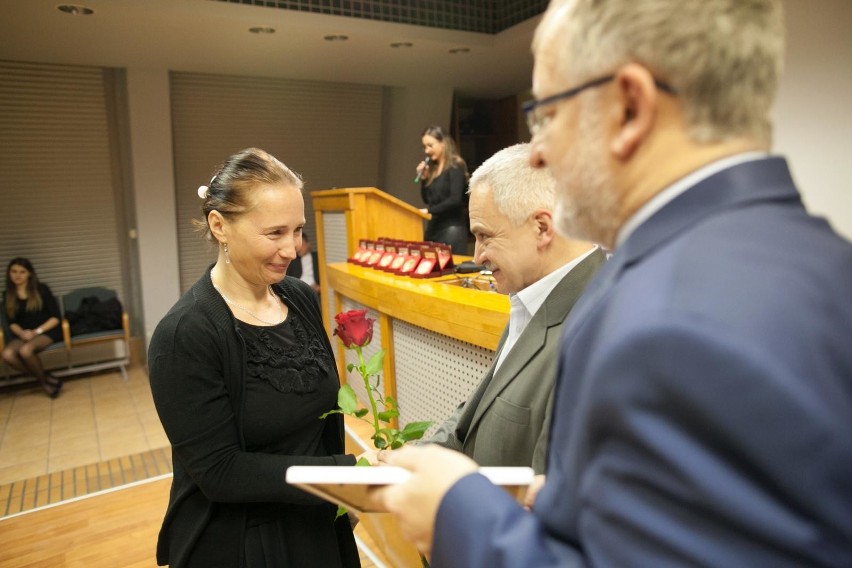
(329, 133)
(58, 204)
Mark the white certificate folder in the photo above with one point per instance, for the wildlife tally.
(347, 485)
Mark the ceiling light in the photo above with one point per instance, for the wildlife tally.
(456, 50)
(402, 44)
(336, 37)
(262, 30)
(75, 10)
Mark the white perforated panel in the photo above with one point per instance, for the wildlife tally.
(434, 373)
(335, 250)
(353, 378)
(334, 233)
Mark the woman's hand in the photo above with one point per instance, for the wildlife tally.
(434, 470)
(532, 491)
(371, 456)
(424, 173)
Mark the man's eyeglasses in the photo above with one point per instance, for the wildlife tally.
(537, 119)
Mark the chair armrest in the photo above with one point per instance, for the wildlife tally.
(125, 324)
(66, 334)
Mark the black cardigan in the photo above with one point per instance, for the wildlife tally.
(196, 364)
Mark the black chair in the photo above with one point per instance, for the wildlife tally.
(82, 312)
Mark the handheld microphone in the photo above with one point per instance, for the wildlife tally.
(420, 175)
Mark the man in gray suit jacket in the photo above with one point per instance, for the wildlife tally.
(506, 420)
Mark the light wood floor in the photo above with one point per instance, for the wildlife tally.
(84, 479)
(116, 528)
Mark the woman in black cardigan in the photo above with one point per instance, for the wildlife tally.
(241, 369)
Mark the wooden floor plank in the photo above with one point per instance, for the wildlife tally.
(56, 522)
(118, 527)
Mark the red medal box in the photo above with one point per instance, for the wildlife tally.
(402, 255)
(426, 267)
(387, 258)
(411, 262)
(365, 249)
(373, 259)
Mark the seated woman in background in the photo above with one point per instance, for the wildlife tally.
(443, 185)
(33, 317)
(241, 369)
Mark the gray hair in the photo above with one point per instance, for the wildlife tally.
(722, 57)
(517, 188)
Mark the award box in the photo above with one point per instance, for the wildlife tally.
(347, 486)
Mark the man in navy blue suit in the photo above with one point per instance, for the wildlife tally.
(703, 407)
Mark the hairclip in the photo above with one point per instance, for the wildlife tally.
(203, 190)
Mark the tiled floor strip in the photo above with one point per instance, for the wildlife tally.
(59, 486)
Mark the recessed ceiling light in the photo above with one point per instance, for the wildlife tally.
(336, 37)
(262, 30)
(75, 10)
(456, 50)
(402, 44)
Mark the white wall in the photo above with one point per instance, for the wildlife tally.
(813, 114)
(154, 192)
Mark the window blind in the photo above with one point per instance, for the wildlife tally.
(58, 202)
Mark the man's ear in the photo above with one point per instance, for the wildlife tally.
(637, 96)
(544, 226)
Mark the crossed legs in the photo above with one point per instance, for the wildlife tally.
(23, 356)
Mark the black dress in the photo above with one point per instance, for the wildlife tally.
(287, 368)
(241, 404)
(31, 320)
(445, 200)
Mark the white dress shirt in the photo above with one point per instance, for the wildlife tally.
(308, 269)
(525, 304)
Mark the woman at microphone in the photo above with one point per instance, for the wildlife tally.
(443, 186)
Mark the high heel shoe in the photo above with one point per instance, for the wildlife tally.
(52, 389)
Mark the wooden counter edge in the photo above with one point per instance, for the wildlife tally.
(472, 316)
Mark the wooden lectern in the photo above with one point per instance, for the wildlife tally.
(343, 216)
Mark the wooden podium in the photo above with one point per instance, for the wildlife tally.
(343, 216)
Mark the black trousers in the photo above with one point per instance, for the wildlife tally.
(454, 235)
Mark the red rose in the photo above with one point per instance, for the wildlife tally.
(354, 328)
